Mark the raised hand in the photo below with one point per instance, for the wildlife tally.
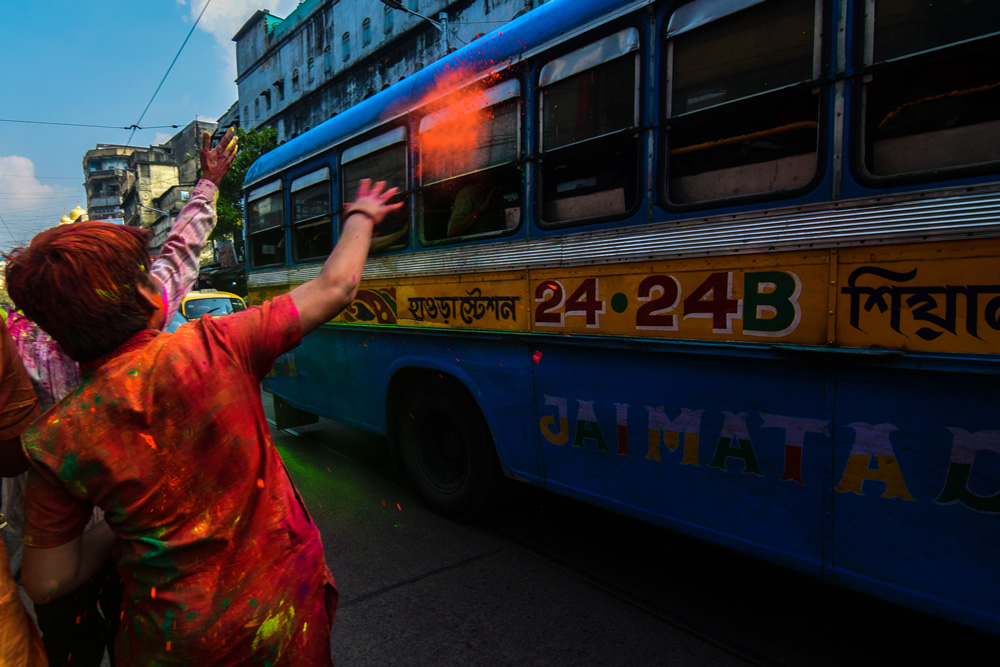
(215, 162)
(371, 201)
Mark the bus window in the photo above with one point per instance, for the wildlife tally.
(740, 119)
(931, 100)
(589, 140)
(470, 176)
(312, 230)
(266, 225)
(381, 158)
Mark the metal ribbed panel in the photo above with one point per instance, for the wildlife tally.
(944, 217)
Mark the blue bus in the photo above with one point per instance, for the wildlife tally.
(729, 267)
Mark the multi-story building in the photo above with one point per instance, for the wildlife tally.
(151, 172)
(103, 169)
(327, 55)
(157, 181)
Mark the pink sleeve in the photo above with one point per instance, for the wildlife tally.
(177, 265)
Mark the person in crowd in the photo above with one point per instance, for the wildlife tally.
(20, 644)
(475, 209)
(220, 560)
(72, 631)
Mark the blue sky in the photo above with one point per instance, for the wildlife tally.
(98, 62)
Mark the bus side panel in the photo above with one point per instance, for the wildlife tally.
(885, 480)
(917, 490)
(283, 378)
(730, 449)
(346, 373)
(322, 381)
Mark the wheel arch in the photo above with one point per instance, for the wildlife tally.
(405, 373)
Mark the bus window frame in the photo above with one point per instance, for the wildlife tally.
(816, 84)
(262, 192)
(306, 182)
(509, 91)
(599, 50)
(378, 139)
(868, 70)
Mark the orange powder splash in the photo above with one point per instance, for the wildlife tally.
(461, 121)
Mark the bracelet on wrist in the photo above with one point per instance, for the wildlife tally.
(352, 211)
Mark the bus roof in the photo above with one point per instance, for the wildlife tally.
(496, 50)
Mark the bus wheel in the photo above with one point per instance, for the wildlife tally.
(448, 451)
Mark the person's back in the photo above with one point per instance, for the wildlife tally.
(211, 536)
(220, 560)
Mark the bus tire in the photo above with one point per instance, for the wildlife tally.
(447, 450)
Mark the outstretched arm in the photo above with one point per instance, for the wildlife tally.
(53, 572)
(320, 299)
(177, 265)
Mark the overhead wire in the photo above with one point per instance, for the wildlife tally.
(107, 127)
(167, 73)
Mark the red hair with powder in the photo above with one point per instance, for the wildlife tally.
(80, 282)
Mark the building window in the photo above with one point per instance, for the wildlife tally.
(267, 99)
(366, 32)
(327, 60)
(295, 81)
(346, 43)
(312, 70)
(387, 19)
(256, 108)
(279, 87)
(246, 113)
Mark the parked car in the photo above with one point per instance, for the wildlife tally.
(206, 302)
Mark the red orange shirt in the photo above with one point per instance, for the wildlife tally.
(220, 560)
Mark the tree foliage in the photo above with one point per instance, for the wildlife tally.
(253, 144)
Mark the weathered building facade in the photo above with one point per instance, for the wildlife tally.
(327, 55)
(103, 170)
(158, 180)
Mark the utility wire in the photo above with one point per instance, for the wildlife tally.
(48, 178)
(135, 126)
(8, 230)
(109, 127)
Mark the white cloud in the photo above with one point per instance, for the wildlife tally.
(27, 205)
(161, 138)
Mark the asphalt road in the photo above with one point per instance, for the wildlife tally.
(416, 589)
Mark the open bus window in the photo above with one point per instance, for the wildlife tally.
(590, 147)
(266, 226)
(312, 227)
(931, 100)
(470, 175)
(381, 158)
(742, 116)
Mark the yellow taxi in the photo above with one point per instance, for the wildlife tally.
(206, 302)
